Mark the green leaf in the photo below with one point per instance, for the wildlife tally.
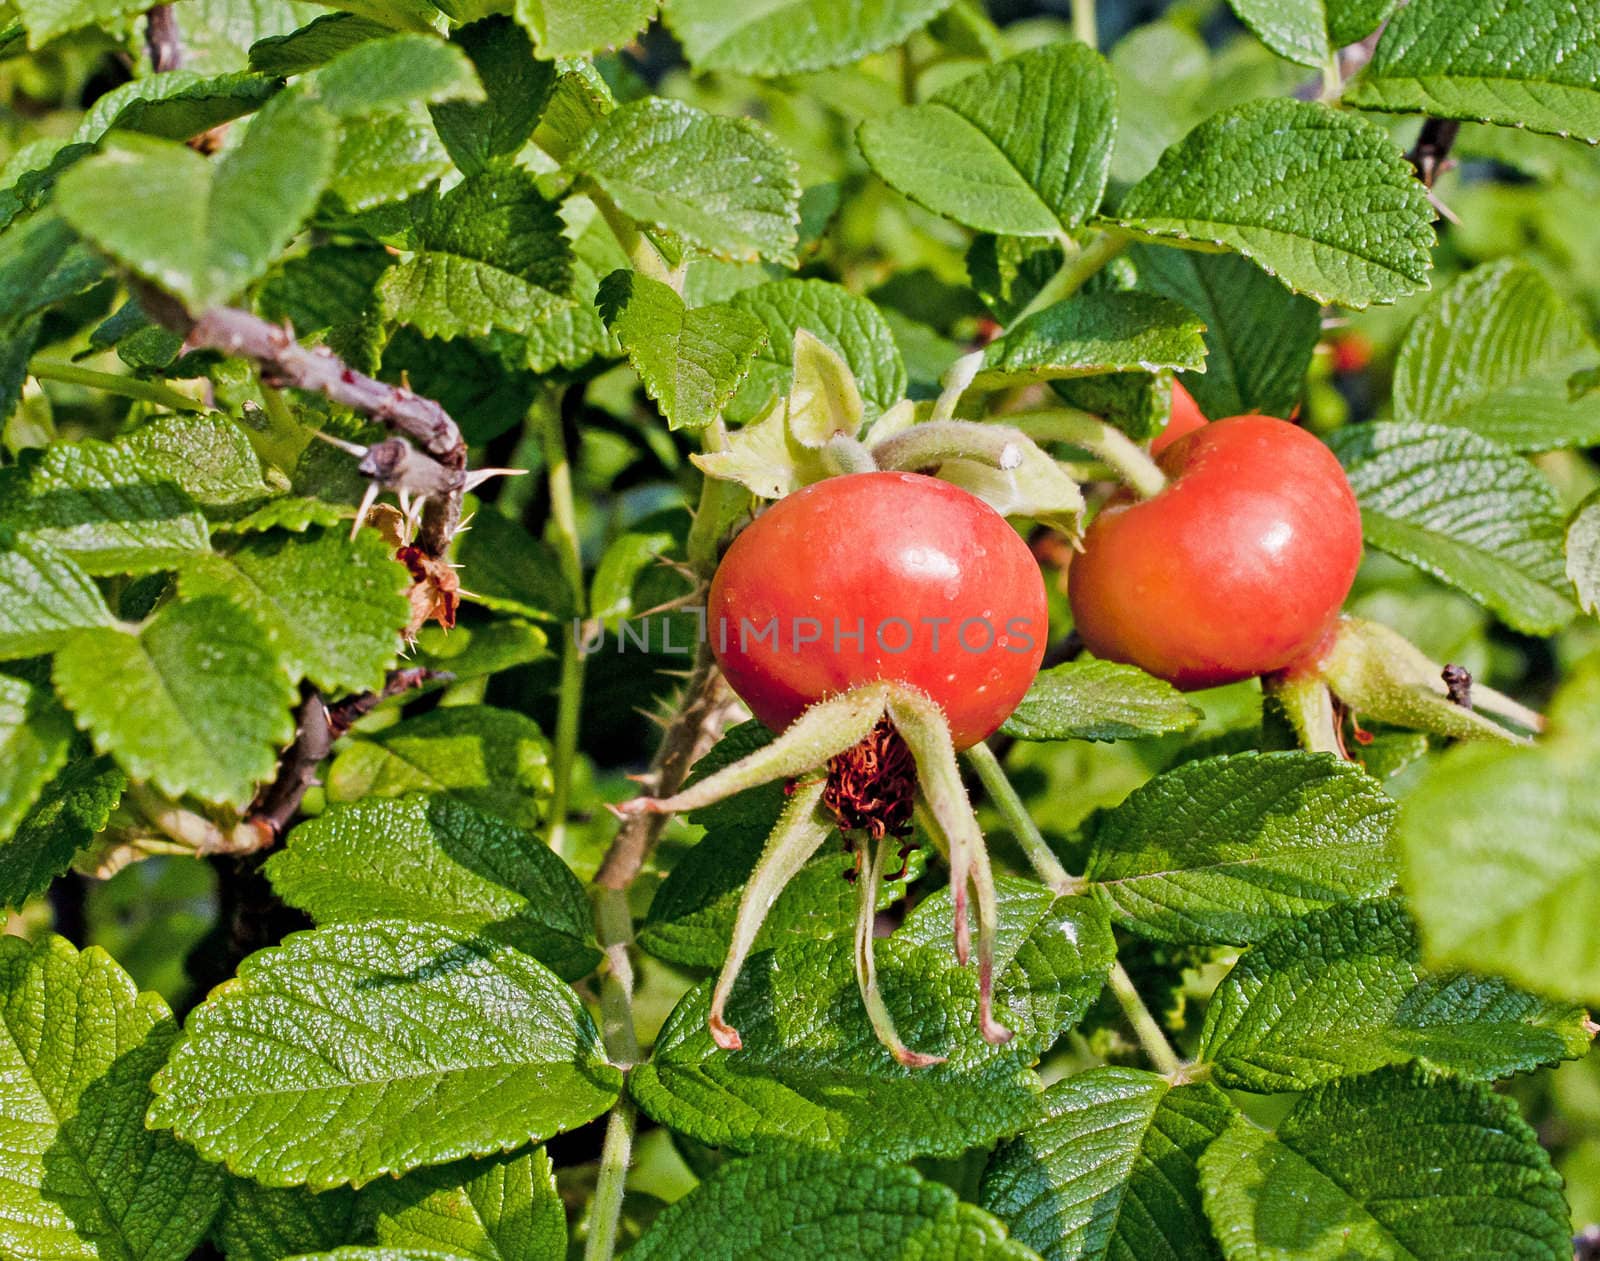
(560, 29)
(798, 1207)
(444, 862)
(1395, 1166)
(46, 19)
(175, 104)
(517, 87)
(315, 44)
(386, 159)
(107, 509)
(350, 1042)
(1021, 148)
(691, 361)
(1467, 511)
(195, 701)
(774, 37)
(1310, 32)
(495, 760)
(260, 1223)
(812, 1074)
(380, 75)
(1259, 336)
(208, 456)
(1501, 851)
(203, 230)
(36, 735)
(1230, 849)
(219, 33)
(332, 607)
(1111, 1172)
(1493, 354)
(1583, 555)
(42, 261)
(1099, 700)
(1532, 65)
(505, 567)
(502, 1209)
(472, 651)
(626, 558)
(1343, 992)
(846, 323)
(1322, 200)
(723, 184)
(82, 1178)
(1092, 334)
(44, 599)
(489, 254)
(74, 806)
(1051, 954)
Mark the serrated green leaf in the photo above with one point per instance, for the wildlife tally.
(1230, 849)
(291, 512)
(502, 1209)
(333, 607)
(1395, 1166)
(575, 30)
(42, 261)
(1093, 334)
(208, 456)
(73, 807)
(1022, 147)
(83, 1179)
(490, 254)
(1501, 850)
(813, 1075)
(1583, 554)
(44, 599)
(380, 75)
(260, 1223)
(847, 323)
(386, 159)
(1111, 1172)
(472, 651)
(1138, 403)
(774, 37)
(46, 19)
(315, 44)
(444, 862)
(1051, 953)
(1259, 336)
(351, 1041)
(1532, 65)
(195, 701)
(723, 184)
(36, 735)
(691, 361)
(494, 760)
(1343, 992)
(1322, 200)
(219, 33)
(1310, 32)
(797, 1207)
(505, 567)
(175, 104)
(1467, 511)
(517, 87)
(203, 230)
(1099, 700)
(1493, 354)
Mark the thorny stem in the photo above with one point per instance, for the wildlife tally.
(1156, 1047)
(996, 783)
(569, 700)
(129, 387)
(1106, 442)
(1432, 149)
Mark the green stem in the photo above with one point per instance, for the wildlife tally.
(1332, 78)
(641, 252)
(128, 387)
(1106, 442)
(605, 1210)
(1084, 27)
(719, 501)
(613, 921)
(569, 700)
(1151, 1038)
(996, 783)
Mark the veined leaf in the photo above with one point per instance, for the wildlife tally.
(1583, 554)
(208, 456)
(1343, 992)
(517, 87)
(44, 599)
(444, 862)
(46, 19)
(1533, 64)
(1395, 1166)
(1111, 1172)
(380, 75)
(36, 735)
(1322, 200)
(1231, 849)
(175, 104)
(560, 29)
(1021, 148)
(501, 1209)
(1311, 31)
(1099, 700)
(73, 807)
(351, 1041)
(260, 1223)
(42, 261)
(1093, 334)
(1466, 510)
(315, 44)
(83, 1179)
(773, 37)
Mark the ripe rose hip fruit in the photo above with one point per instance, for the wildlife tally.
(1237, 568)
(1186, 417)
(880, 576)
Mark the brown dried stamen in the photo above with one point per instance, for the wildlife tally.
(872, 785)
